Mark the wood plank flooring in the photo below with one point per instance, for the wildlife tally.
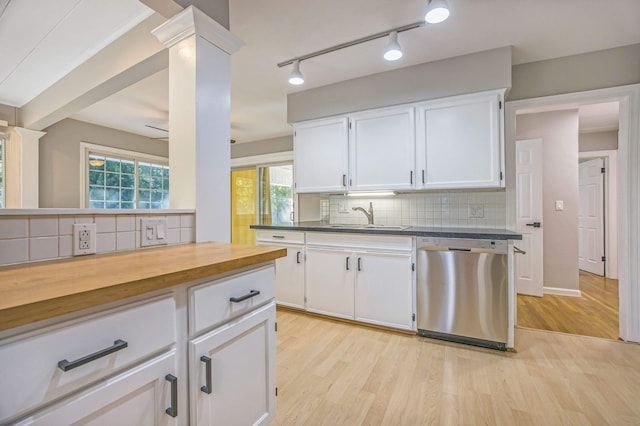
(340, 374)
(594, 314)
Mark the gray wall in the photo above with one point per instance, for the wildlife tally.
(60, 157)
(265, 146)
(593, 70)
(559, 133)
(8, 114)
(217, 9)
(598, 141)
(475, 72)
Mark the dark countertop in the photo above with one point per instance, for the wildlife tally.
(474, 233)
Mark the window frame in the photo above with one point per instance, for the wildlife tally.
(87, 148)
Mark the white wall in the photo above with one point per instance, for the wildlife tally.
(598, 141)
(559, 133)
(60, 157)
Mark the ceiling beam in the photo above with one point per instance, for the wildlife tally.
(131, 58)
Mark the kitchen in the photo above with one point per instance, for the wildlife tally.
(320, 93)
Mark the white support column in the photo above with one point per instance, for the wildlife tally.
(200, 119)
(21, 168)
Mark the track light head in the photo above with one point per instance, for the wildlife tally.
(437, 11)
(393, 51)
(296, 78)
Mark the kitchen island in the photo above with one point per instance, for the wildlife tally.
(114, 337)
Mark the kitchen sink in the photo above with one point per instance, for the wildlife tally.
(389, 227)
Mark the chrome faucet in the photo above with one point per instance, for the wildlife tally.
(368, 214)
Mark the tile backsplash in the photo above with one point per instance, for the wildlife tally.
(30, 238)
(468, 209)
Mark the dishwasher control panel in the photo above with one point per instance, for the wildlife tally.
(462, 244)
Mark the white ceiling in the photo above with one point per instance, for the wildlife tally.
(277, 30)
(42, 40)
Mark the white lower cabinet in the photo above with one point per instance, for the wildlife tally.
(383, 289)
(142, 396)
(233, 372)
(329, 279)
(373, 283)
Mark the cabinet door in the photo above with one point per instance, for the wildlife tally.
(290, 278)
(239, 386)
(459, 142)
(384, 289)
(320, 155)
(139, 396)
(329, 280)
(382, 149)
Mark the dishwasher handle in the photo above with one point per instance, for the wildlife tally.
(458, 249)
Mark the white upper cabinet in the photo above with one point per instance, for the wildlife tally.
(460, 142)
(320, 155)
(382, 149)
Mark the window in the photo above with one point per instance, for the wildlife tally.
(1, 172)
(125, 179)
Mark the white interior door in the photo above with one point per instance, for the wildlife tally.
(529, 267)
(591, 217)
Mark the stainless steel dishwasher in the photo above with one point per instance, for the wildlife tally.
(462, 290)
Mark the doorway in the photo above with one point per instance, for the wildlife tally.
(594, 308)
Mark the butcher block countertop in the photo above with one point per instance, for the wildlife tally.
(36, 291)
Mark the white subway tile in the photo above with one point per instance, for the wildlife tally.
(173, 236)
(125, 240)
(65, 225)
(105, 243)
(186, 235)
(173, 221)
(125, 223)
(14, 251)
(43, 248)
(84, 219)
(187, 221)
(105, 224)
(14, 227)
(43, 226)
(65, 246)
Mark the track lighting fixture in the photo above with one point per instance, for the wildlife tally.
(296, 77)
(393, 51)
(437, 11)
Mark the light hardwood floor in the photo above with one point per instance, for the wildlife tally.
(594, 314)
(340, 374)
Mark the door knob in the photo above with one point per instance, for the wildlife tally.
(534, 224)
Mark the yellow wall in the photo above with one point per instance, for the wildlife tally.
(243, 206)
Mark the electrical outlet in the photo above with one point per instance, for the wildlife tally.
(342, 207)
(476, 211)
(153, 232)
(559, 205)
(84, 238)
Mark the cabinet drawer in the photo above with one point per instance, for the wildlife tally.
(275, 236)
(31, 372)
(211, 304)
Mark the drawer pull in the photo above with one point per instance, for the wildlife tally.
(280, 237)
(65, 365)
(207, 363)
(347, 264)
(359, 264)
(173, 410)
(298, 257)
(252, 293)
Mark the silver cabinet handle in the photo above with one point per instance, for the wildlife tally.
(298, 257)
(280, 237)
(207, 364)
(118, 345)
(411, 177)
(173, 409)
(344, 180)
(422, 175)
(292, 216)
(347, 265)
(359, 264)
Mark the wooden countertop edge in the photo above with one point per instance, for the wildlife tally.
(45, 309)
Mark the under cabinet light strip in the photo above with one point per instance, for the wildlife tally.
(352, 43)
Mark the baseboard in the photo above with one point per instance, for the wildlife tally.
(561, 291)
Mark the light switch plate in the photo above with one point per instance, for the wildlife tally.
(559, 205)
(153, 232)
